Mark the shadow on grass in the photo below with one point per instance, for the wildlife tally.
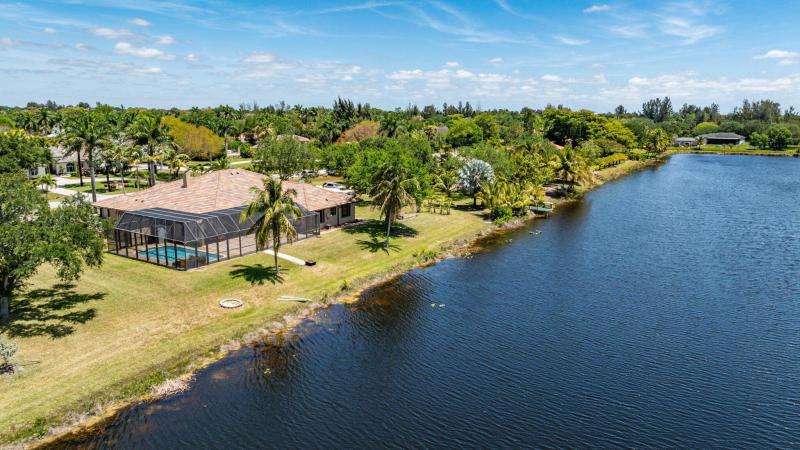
(375, 244)
(256, 274)
(377, 229)
(49, 312)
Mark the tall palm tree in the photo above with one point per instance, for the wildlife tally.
(273, 211)
(391, 195)
(72, 147)
(90, 131)
(153, 136)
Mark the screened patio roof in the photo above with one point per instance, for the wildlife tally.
(183, 226)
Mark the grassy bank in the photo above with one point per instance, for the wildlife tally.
(128, 325)
(744, 149)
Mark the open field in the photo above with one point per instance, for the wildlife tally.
(129, 325)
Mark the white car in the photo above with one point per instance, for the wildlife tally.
(337, 187)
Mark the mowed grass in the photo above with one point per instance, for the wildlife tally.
(743, 149)
(129, 324)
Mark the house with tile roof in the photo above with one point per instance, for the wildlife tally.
(195, 221)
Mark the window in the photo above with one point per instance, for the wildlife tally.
(332, 211)
(346, 210)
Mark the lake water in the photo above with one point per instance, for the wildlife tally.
(661, 311)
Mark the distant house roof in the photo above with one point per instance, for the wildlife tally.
(60, 155)
(442, 129)
(732, 136)
(685, 139)
(218, 190)
(296, 137)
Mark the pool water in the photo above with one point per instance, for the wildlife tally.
(169, 253)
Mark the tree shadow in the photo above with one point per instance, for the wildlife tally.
(375, 244)
(50, 311)
(256, 274)
(377, 229)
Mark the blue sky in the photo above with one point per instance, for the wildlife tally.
(494, 53)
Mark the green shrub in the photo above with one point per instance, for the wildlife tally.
(638, 155)
(611, 160)
(502, 214)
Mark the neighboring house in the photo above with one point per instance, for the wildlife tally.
(59, 164)
(723, 138)
(195, 221)
(686, 142)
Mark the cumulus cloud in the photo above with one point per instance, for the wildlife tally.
(139, 22)
(597, 9)
(49, 30)
(111, 33)
(451, 64)
(166, 40)
(496, 60)
(126, 48)
(549, 77)
(191, 57)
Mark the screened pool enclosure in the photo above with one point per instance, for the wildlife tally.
(183, 240)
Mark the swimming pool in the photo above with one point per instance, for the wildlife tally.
(169, 253)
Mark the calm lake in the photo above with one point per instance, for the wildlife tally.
(663, 310)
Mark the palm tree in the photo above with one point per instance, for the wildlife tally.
(47, 182)
(89, 131)
(272, 211)
(473, 175)
(133, 156)
(493, 193)
(391, 195)
(175, 161)
(571, 167)
(445, 182)
(153, 136)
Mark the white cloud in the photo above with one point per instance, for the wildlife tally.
(777, 54)
(461, 73)
(788, 62)
(689, 30)
(139, 22)
(126, 48)
(415, 74)
(596, 9)
(7, 42)
(166, 40)
(496, 60)
(451, 64)
(570, 41)
(629, 31)
(49, 30)
(260, 58)
(81, 46)
(552, 78)
(192, 57)
(111, 33)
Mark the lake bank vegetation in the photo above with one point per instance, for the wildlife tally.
(77, 329)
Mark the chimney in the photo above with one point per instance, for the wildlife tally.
(185, 179)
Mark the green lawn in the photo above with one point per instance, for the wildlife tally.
(51, 196)
(101, 187)
(743, 149)
(129, 324)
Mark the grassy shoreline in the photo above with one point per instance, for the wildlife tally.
(129, 345)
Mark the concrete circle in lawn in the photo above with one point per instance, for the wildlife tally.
(231, 303)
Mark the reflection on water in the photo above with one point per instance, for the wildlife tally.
(662, 311)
